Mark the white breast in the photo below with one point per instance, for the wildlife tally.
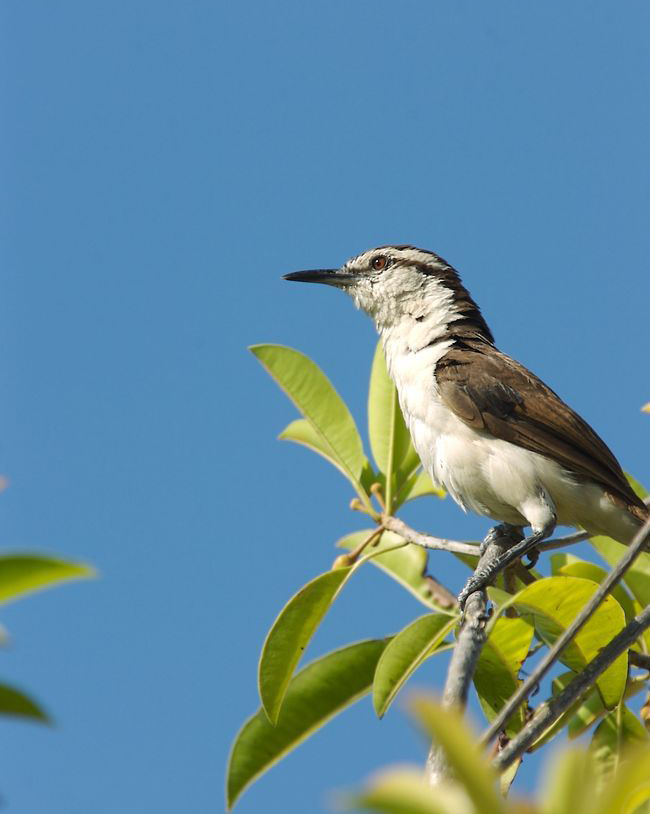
(484, 474)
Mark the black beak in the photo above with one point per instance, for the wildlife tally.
(334, 277)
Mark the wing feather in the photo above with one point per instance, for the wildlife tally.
(491, 391)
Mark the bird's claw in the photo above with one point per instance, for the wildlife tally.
(532, 556)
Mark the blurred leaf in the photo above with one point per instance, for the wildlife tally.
(290, 634)
(564, 564)
(570, 785)
(619, 730)
(22, 574)
(406, 565)
(405, 653)
(497, 672)
(389, 438)
(405, 791)
(554, 603)
(15, 703)
(313, 394)
(460, 746)
(419, 485)
(629, 788)
(646, 408)
(314, 695)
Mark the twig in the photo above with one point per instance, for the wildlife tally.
(455, 546)
(639, 659)
(465, 654)
(613, 578)
(426, 540)
(548, 712)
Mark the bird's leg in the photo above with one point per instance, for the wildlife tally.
(481, 578)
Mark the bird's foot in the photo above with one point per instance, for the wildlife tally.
(503, 532)
(485, 575)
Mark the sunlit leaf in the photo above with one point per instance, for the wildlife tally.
(22, 574)
(406, 652)
(389, 438)
(315, 695)
(405, 791)
(554, 603)
(461, 749)
(302, 432)
(497, 673)
(290, 634)
(313, 394)
(16, 704)
(565, 564)
(637, 576)
(406, 565)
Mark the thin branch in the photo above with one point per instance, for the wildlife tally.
(455, 546)
(639, 659)
(562, 542)
(464, 659)
(548, 712)
(639, 542)
(426, 540)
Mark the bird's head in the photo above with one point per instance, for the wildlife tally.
(391, 283)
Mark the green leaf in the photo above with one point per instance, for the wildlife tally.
(554, 603)
(564, 564)
(22, 574)
(407, 565)
(313, 394)
(315, 695)
(497, 672)
(637, 576)
(419, 485)
(406, 652)
(619, 730)
(405, 791)
(389, 438)
(16, 704)
(302, 432)
(290, 634)
(461, 749)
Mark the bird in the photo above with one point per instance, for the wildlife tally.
(486, 429)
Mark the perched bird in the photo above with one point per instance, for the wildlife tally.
(497, 438)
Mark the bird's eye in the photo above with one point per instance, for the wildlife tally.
(379, 262)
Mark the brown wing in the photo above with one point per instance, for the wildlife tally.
(489, 390)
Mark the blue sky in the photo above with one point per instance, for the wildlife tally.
(163, 164)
